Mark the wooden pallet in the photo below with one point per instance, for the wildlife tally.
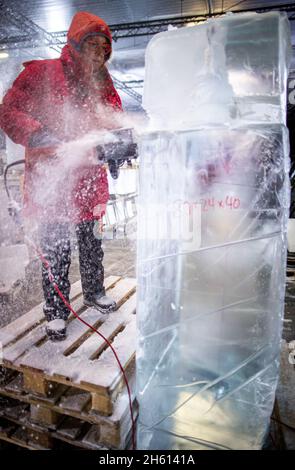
(104, 433)
(290, 274)
(78, 377)
(83, 360)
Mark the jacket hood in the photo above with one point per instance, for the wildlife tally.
(86, 24)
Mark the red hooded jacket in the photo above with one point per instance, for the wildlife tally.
(56, 96)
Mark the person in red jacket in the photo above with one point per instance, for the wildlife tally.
(53, 102)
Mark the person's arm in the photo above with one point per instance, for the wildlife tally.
(16, 117)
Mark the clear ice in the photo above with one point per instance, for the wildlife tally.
(213, 211)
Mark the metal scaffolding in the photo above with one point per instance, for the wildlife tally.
(119, 31)
(33, 32)
(38, 37)
(149, 28)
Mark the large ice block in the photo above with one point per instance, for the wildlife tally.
(225, 69)
(213, 211)
(210, 306)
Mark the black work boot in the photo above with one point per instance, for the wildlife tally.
(101, 302)
(56, 330)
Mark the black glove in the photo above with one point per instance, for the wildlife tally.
(43, 138)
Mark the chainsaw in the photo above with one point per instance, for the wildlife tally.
(116, 153)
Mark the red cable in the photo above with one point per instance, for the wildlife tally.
(51, 279)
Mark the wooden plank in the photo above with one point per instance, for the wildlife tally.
(105, 404)
(78, 442)
(92, 437)
(35, 382)
(102, 404)
(20, 436)
(17, 443)
(75, 399)
(71, 428)
(52, 397)
(8, 394)
(5, 375)
(112, 436)
(36, 435)
(16, 384)
(11, 353)
(115, 434)
(124, 345)
(16, 410)
(7, 428)
(45, 416)
(42, 439)
(93, 345)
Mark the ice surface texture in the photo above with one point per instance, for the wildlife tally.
(213, 210)
(225, 69)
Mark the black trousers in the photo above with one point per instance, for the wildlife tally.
(56, 247)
